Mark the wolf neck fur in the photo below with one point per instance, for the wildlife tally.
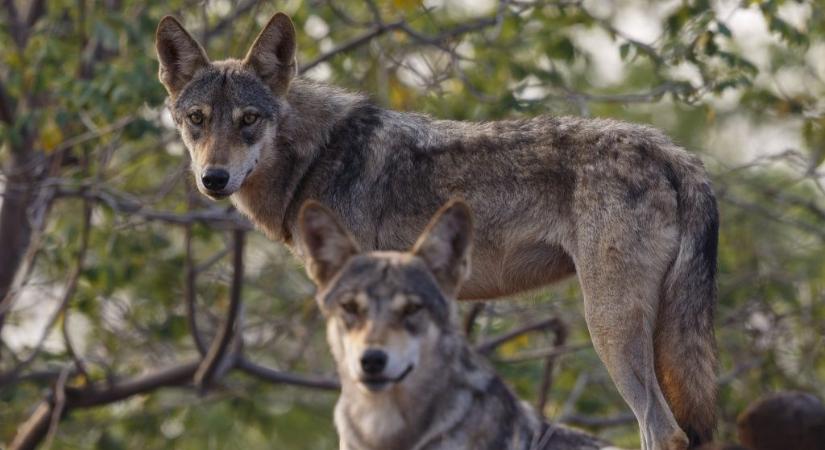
(310, 111)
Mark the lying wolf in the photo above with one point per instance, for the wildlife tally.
(619, 205)
(409, 380)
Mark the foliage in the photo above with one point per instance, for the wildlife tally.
(81, 83)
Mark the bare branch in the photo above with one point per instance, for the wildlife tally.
(376, 13)
(190, 295)
(18, 32)
(470, 319)
(598, 422)
(352, 44)
(69, 290)
(94, 134)
(402, 25)
(22, 220)
(6, 105)
(575, 394)
(540, 353)
(32, 432)
(488, 346)
(59, 405)
(220, 344)
(560, 330)
(122, 203)
(81, 255)
(224, 24)
(275, 376)
(37, 9)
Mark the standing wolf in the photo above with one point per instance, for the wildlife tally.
(409, 381)
(620, 205)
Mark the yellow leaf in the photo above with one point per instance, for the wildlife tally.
(512, 346)
(50, 135)
(399, 94)
(406, 4)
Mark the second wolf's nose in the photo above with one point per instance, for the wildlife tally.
(215, 179)
(373, 362)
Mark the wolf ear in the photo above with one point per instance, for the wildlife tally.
(272, 56)
(445, 245)
(179, 54)
(328, 245)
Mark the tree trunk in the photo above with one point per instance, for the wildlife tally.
(24, 172)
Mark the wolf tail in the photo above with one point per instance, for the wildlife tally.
(684, 342)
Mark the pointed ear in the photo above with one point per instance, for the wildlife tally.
(328, 245)
(445, 245)
(179, 54)
(272, 56)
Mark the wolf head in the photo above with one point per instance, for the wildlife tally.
(226, 111)
(387, 311)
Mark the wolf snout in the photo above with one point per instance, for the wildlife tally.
(373, 361)
(215, 179)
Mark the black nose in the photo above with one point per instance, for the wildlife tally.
(215, 179)
(373, 362)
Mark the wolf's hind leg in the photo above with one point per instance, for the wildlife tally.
(621, 287)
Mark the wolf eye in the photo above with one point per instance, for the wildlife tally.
(249, 118)
(410, 309)
(350, 307)
(195, 117)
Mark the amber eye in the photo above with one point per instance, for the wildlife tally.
(195, 117)
(249, 118)
(410, 309)
(350, 307)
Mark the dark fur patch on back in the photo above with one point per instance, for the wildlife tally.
(345, 150)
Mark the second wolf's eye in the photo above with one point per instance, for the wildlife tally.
(196, 117)
(410, 309)
(249, 118)
(350, 307)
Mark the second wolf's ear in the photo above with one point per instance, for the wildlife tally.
(179, 54)
(445, 246)
(328, 245)
(272, 56)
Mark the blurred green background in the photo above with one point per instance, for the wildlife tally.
(83, 129)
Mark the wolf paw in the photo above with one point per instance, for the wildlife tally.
(677, 441)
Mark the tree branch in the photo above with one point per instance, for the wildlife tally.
(220, 344)
(190, 295)
(237, 11)
(81, 255)
(488, 346)
(560, 331)
(32, 432)
(121, 203)
(6, 105)
(68, 292)
(381, 28)
(540, 353)
(352, 44)
(470, 319)
(598, 422)
(275, 376)
(18, 32)
(36, 10)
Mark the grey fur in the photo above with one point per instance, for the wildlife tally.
(618, 204)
